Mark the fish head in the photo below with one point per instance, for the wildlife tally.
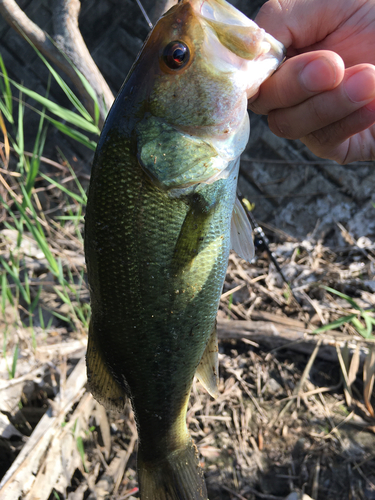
(201, 63)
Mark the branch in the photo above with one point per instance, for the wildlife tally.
(70, 41)
(274, 332)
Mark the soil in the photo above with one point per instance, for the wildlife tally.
(281, 424)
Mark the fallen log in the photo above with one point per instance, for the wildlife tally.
(275, 332)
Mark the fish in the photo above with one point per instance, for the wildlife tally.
(161, 218)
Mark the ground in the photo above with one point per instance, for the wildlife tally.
(282, 422)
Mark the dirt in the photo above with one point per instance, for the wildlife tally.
(268, 434)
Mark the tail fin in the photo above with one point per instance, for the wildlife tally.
(177, 477)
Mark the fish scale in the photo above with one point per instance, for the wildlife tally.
(162, 215)
(125, 235)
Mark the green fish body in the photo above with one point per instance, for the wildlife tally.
(162, 216)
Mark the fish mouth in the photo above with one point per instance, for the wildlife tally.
(221, 11)
(237, 32)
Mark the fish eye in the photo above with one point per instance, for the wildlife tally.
(176, 55)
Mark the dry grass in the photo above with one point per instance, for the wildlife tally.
(287, 419)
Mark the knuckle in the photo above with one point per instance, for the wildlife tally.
(256, 107)
(318, 111)
(280, 125)
(286, 91)
(326, 143)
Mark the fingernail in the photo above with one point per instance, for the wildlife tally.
(361, 86)
(318, 75)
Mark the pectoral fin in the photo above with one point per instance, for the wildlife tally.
(101, 383)
(241, 233)
(208, 369)
(193, 235)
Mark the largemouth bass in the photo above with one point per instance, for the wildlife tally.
(162, 216)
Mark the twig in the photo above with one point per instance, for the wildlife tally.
(45, 430)
(318, 390)
(306, 372)
(233, 492)
(315, 486)
(263, 496)
(233, 290)
(32, 155)
(255, 402)
(125, 460)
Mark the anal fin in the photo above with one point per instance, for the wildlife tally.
(241, 233)
(208, 369)
(101, 383)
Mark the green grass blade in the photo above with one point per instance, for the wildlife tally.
(7, 106)
(14, 275)
(369, 321)
(81, 450)
(91, 93)
(18, 223)
(41, 318)
(75, 218)
(37, 153)
(343, 296)
(60, 316)
(71, 170)
(4, 288)
(62, 84)
(60, 111)
(82, 317)
(64, 189)
(27, 288)
(359, 327)
(8, 293)
(66, 89)
(6, 113)
(14, 362)
(335, 324)
(39, 237)
(63, 297)
(35, 301)
(20, 148)
(28, 204)
(74, 134)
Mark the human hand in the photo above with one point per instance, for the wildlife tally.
(324, 93)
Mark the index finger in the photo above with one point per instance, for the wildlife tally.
(298, 79)
(301, 23)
